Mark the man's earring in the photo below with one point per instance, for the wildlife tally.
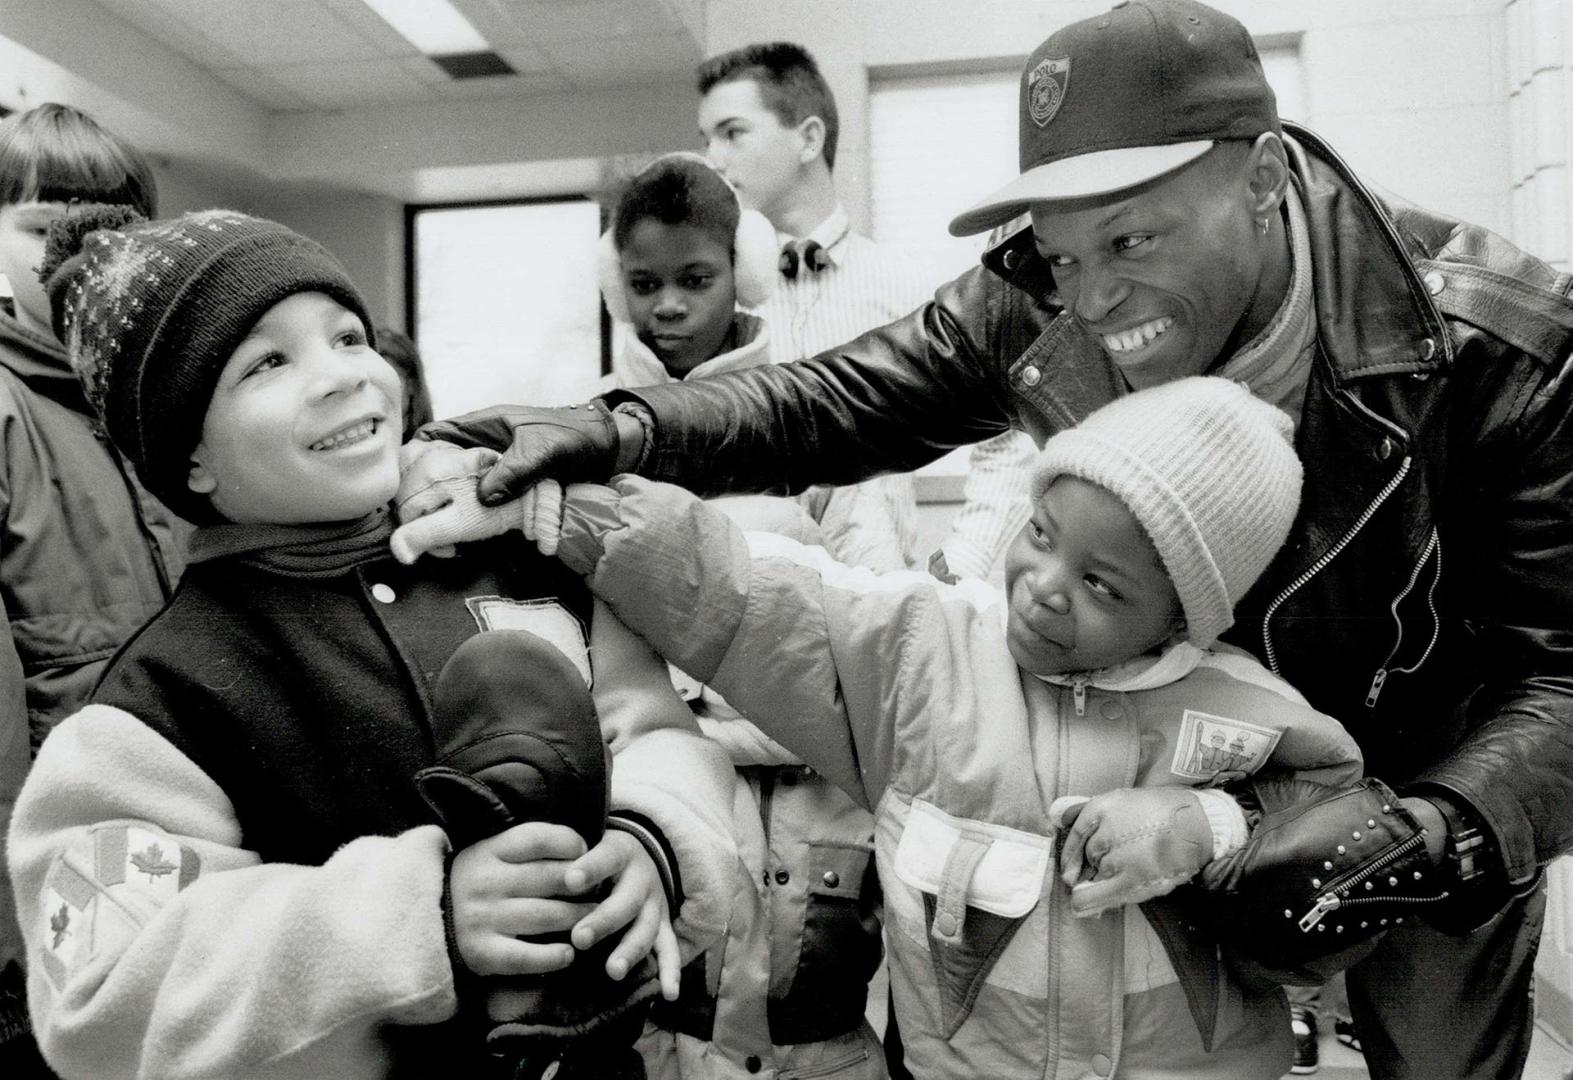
(1263, 223)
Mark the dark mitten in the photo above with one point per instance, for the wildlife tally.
(518, 740)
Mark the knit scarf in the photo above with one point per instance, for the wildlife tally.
(1276, 364)
(300, 551)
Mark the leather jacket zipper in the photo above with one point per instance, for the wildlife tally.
(1079, 694)
(1337, 895)
(1320, 564)
(1380, 678)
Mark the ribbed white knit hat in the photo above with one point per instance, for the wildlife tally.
(1210, 472)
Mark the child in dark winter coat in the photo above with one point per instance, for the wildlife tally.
(88, 554)
(222, 864)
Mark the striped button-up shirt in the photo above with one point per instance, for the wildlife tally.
(863, 286)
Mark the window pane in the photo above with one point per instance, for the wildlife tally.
(506, 304)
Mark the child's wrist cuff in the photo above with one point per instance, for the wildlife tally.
(1225, 819)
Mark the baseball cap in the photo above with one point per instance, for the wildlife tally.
(1123, 97)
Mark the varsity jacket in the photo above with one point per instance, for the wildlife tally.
(903, 691)
(222, 864)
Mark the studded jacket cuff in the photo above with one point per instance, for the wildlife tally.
(1324, 870)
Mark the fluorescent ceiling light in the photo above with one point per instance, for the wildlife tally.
(435, 27)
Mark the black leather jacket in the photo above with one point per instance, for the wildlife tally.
(1425, 596)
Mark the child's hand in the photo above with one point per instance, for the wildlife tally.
(1123, 847)
(451, 513)
(509, 886)
(424, 464)
(637, 901)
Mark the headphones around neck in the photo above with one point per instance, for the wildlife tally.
(814, 259)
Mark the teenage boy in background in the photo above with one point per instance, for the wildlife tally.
(770, 125)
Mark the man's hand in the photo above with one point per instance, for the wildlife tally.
(507, 888)
(574, 442)
(637, 901)
(1123, 847)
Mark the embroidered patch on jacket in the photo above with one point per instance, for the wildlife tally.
(1047, 85)
(1218, 748)
(544, 618)
(136, 871)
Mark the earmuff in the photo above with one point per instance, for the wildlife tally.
(753, 257)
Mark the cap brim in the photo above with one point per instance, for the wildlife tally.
(1084, 175)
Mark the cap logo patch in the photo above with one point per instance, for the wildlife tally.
(1046, 87)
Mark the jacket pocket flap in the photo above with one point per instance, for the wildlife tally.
(1008, 879)
(837, 869)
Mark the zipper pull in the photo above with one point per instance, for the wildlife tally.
(1376, 688)
(1324, 903)
(1079, 694)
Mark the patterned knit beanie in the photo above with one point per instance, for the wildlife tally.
(1210, 472)
(150, 312)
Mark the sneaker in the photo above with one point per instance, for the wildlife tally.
(1306, 1058)
(1344, 1032)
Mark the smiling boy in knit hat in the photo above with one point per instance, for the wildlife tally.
(223, 864)
(979, 725)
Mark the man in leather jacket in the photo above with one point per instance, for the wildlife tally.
(1425, 596)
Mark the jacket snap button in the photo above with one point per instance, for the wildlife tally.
(1111, 710)
(782, 877)
(1031, 376)
(1427, 349)
(831, 879)
(1012, 260)
(945, 924)
(384, 594)
(1101, 1064)
(1385, 450)
(1435, 283)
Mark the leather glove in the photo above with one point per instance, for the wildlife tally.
(460, 517)
(1325, 870)
(1123, 847)
(518, 740)
(573, 442)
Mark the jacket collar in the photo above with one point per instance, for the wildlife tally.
(1374, 314)
(636, 365)
(40, 362)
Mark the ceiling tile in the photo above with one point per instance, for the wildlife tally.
(541, 22)
(341, 85)
(510, 86)
(264, 89)
(277, 32)
(620, 61)
(368, 23)
(168, 27)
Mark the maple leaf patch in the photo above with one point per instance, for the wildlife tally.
(151, 861)
(59, 924)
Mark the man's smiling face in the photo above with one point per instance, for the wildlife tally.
(1164, 276)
